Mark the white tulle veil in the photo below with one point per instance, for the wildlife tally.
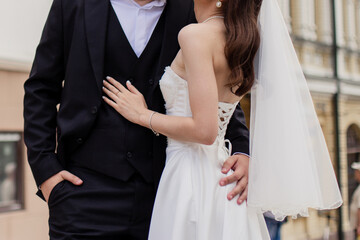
(290, 167)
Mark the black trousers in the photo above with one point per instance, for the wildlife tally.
(102, 208)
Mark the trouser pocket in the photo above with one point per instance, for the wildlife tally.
(55, 191)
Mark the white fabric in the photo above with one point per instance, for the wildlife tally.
(290, 167)
(190, 204)
(138, 22)
(355, 165)
(354, 208)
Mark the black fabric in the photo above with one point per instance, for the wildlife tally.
(123, 155)
(103, 208)
(69, 69)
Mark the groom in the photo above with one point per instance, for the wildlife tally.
(97, 171)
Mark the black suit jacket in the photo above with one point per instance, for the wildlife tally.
(67, 71)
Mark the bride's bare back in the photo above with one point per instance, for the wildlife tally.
(211, 38)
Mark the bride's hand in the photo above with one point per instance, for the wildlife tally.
(129, 102)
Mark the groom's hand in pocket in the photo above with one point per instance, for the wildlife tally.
(47, 186)
(239, 163)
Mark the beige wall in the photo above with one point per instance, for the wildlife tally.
(11, 95)
(31, 222)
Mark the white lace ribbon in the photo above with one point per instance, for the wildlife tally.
(229, 148)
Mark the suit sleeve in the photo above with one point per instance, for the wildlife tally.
(238, 133)
(191, 16)
(42, 94)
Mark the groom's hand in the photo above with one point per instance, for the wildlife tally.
(239, 163)
(47, 186)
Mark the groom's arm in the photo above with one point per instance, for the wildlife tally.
(238, 134)
(42, 94)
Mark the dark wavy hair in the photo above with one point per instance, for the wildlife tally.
(242, 41)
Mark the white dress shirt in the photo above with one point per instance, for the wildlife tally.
(138, 22)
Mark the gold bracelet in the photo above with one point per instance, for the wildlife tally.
(155, 132)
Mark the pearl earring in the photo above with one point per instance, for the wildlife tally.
(218, 4)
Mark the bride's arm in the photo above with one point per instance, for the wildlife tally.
(202, 127)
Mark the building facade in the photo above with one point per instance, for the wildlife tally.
(326, 35)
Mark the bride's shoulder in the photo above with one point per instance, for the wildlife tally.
(196, 31)
(196, 35)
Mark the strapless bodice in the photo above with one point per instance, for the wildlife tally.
(176, 95)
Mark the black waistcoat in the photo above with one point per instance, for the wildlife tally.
(118, 147)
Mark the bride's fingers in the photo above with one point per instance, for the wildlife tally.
(132, 88)
(118, 85)
(112, 95)
(111, 87)
(111, 103)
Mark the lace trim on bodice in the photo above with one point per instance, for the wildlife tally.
(225, 112)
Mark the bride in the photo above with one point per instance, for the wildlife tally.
(212, 71)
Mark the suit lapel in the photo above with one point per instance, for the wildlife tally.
(177, 16)
(96, 15)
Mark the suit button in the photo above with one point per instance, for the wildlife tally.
(150, 154)
(94, 110)
(131, 80)
(79, 140)
(129, 154)
(151, 81)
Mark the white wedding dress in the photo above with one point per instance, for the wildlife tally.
(190, 204)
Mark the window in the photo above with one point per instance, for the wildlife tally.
(353, 155)
(11, 194)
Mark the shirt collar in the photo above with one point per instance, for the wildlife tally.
(155, 3)
(159, 3)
